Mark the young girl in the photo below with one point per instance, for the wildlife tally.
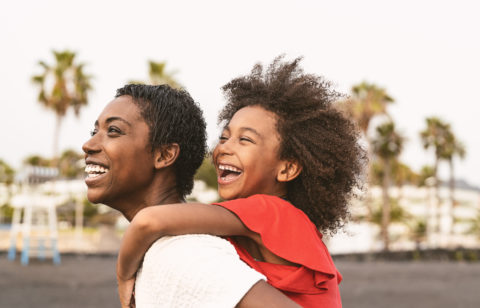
(288, 163)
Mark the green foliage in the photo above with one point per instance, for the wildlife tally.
(401, 173)
(7, 174)
(418, 230)
(207, 173)
(6, 212)
(397, 213)
(474, 223)
(366, 102)
(89, 209)
(388, 143)
(37, 160)
(70, 164)
(158, 75)
(70, 84)
(62, 86)
(439, 136)
(427, 172)
(66, 212)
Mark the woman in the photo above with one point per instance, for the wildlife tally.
(144, 151)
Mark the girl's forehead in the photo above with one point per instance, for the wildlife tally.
(254, 115)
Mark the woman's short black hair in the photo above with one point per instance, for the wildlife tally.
(173, 117)
(313, 133)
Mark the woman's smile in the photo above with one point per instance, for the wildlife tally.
(95, 173)
(119, 162)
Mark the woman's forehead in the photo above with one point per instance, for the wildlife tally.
(122, 108)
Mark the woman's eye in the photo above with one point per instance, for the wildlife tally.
(113, 129)
(93, 132)
(223, 138)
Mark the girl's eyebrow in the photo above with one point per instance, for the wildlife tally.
(251, 130)
(245, 128)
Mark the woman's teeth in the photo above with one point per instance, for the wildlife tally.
(95, 170)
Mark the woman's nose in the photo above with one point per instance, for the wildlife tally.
(91, 146)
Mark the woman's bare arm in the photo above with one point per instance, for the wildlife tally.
(263, 295)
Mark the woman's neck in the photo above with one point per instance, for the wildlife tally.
(159, 193)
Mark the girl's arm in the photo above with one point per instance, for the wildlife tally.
(153, 222)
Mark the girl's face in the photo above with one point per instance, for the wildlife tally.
(246, 157)
(119, 162)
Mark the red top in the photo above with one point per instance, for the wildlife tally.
(288, 232)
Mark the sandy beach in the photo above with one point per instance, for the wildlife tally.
(89, 281)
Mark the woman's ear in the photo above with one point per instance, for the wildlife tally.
(166, 155)
(289, 170)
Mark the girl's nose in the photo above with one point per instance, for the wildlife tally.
(223, 148)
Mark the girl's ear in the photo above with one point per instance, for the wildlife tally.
(166, 155)
(289, 171)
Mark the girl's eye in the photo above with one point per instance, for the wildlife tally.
(93, 132)
(246, 139)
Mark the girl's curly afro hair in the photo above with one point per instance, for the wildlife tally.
(313, 132)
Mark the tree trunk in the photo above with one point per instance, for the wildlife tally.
(452, 197)
(386, 206)
(368, 196)
(437, 199)
(56, 134)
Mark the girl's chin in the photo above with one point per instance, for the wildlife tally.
(228, 195)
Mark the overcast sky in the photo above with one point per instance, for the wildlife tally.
(426, 54)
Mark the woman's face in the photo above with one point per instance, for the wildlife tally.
(118, 156)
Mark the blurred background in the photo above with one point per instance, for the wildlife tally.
(409, 72)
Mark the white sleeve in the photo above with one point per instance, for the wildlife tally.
(193, 271)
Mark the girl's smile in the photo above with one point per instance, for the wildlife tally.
(246, 157)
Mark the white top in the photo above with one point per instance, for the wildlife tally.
(193, 271)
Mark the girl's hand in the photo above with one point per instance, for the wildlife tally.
(125, 292)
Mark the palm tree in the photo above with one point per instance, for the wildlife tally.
(7, 175)
(387, 146)
(426, 178)
(71, 164)
(158, 75)
(397, 215)
(37, 160)
(452, 148)
(63, 85)
(366, 102)
(436, 136)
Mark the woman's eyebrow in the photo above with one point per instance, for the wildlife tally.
(111, 119)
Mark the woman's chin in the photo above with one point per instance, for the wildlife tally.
(94, 197)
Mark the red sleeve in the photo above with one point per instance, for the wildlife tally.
(285, 230)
